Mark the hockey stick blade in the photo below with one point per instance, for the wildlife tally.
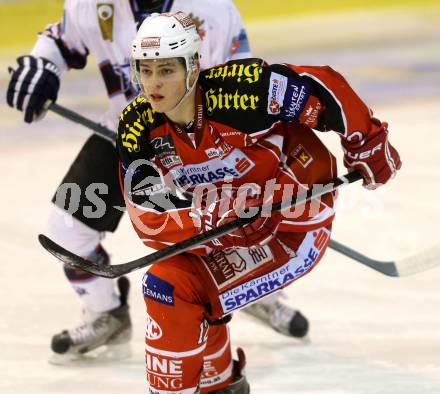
(386, 267)
(71, 259)
(113, 271)
(420, 262)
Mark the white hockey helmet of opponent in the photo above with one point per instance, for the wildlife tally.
(168, 35)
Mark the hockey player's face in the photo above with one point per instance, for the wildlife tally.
(163, 82)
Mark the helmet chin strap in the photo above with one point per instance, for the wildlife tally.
(189, 89)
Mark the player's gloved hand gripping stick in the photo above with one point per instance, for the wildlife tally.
(407, 266)
(113, 271)
(33, 86)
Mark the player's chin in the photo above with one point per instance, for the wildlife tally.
(162, 106)
(159, 106)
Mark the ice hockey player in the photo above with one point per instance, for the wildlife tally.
(106, 30)
(198, 149)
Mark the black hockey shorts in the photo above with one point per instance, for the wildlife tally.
(90, 190)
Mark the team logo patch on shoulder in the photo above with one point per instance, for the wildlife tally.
(301, 155)
(277, 90)
(295, 100)
(157, 289)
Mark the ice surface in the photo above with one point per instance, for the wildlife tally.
(370, 334)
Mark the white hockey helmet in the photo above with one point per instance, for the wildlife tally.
(167, 35)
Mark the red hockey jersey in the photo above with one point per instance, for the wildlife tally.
(253, 124)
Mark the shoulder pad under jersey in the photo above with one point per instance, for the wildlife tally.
(236, 94)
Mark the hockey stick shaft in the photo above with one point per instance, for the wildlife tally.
(420, 262)
(100, 130)
(111, 136)
(113, 271)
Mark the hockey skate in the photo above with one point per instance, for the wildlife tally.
(101, 337)
(240, 385)
(280, 317)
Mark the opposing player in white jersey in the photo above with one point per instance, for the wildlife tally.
(105, 30)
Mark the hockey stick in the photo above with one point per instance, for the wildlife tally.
(407, 266)
(102, 131)
(404, 267)
(111, 136)
(113, 271)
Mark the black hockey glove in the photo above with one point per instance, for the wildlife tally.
(34, 84)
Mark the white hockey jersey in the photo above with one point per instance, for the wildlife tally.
(107, 28)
